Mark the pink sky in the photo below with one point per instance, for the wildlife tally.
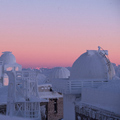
(49, 34)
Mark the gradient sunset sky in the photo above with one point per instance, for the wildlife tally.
(49, 33)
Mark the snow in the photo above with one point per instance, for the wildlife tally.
(45, 92)
(91, 65)
(41, 78)
(3, 94)
(117, 69)
(112, 86)
(106, 96)
(3, 117)
(8, 58)
(50, 95)
(69, 107)
(60, 72)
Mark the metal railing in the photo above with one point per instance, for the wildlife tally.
(74, 86)
(94, 112)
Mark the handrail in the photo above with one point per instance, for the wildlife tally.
(74, 86)
(95, 112)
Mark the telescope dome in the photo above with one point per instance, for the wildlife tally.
(8, 58)
(92, 65)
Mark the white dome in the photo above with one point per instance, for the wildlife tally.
(60, 72)
(92, 65)
(8, 58)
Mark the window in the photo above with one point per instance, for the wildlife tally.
(55, 105)
(16, 69)
(9, 69)
(5, 80)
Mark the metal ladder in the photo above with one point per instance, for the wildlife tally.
(104, 55)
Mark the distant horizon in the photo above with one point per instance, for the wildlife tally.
(34, 66)
(54, 67)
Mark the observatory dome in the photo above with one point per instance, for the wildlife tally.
(60, 72)
(8, 58)
(92, 65)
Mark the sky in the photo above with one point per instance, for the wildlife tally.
(50, 33)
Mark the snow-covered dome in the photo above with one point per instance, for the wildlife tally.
(8, 58)
(92, 65)
(60, 72)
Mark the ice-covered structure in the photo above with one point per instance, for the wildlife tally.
(27, 95)
(30, 100)
(92, 65)
(41, 78)
(53, 109)
(90, 71)
(7, 63)
(58, 73)
(117, 69)
(54, 106)
(100, 103)
(23, 99)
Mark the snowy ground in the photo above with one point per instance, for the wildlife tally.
(3, 117)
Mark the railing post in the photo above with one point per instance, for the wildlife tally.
(70, 86)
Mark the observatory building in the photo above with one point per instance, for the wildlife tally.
(7, 63)
(27, 94)
(89, 91)
(83, 93)
(58, 73)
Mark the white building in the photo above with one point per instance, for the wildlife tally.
(58, 73)
(7, 63)
(90, 91)
(26, 97)
(90, 71)
(100, 103)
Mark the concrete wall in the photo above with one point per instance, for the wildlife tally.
(102, 98)
(69, 107)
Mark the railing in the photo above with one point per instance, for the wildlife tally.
(74, 86)
(94, 112)
(25, 75)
